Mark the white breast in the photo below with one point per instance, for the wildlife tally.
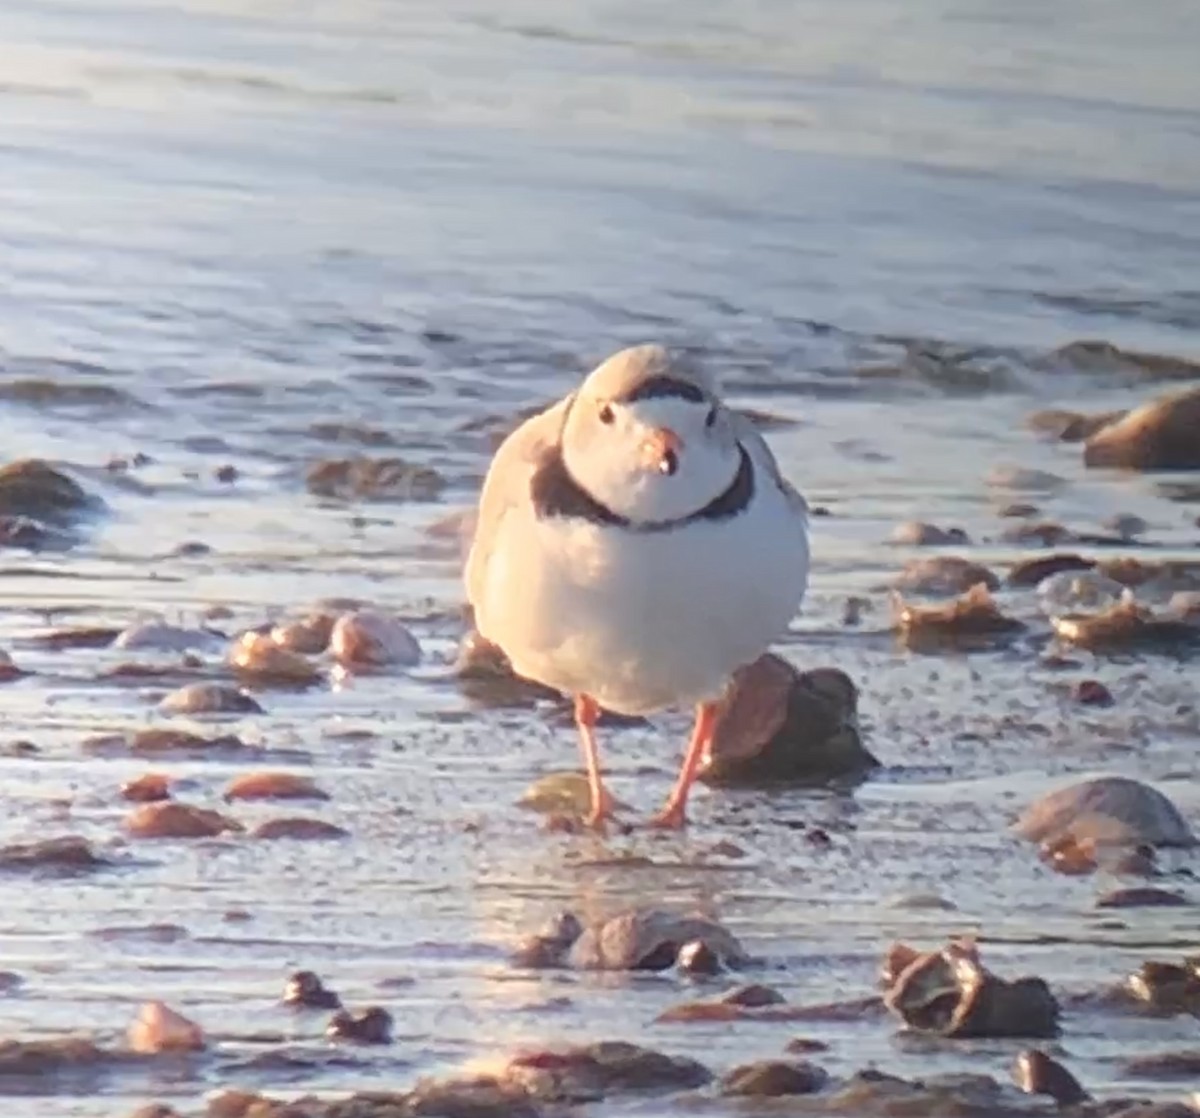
(643, 621)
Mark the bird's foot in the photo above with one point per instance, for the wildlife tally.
(604, 807)
(673, 817)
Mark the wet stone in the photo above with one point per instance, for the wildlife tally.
(649, 939)
(372, 1025)
(1109, 809)
(157, 636)
(916, 533)
(1183, 1065)
(951, 993)
(299, 828)
(697, 958)
(972, 619)
(1124, 626)
(308, 636)
(209, 698)
(147, 789)
(92, 636)
(159, 1028)
(601, 1069)
(375, 479)
(779, 725)
(1092, 693)
(259, 660)
(774, 1079)
(35, 489)
(174, 821)
(164, 742)
(65, 854)
(1039, 1074)
(274, 786)
(1166, 988)
(370, 639)
(943, 574)
(1159, 435)
(1032, 572)
(37, 1058)
(304, 988)
(1142, 897)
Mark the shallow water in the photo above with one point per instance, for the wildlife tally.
(259, 234)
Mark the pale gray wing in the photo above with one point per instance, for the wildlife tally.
(760, 451)
(507, 485)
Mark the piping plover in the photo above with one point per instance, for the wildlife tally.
(635, 545)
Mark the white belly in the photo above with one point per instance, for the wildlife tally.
(643, 621)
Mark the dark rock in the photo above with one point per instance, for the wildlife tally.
(916, 533)
(163, 742)
(1166, 1065)
(649, 939)
(66, 854)
(1125, 626)
(1070, 426)
(1042, 533)
(300, 828)
(698, 958)
(31, 535)
(548, 948)
(1019, 510)
(39, 1058)
(943, 574)
(304, 988)
(781, 726)
(88, 637)
(364, 478)
(949, 992)
(487, 677)
(1030, 572)
(156, 1110)
(210, 698)
(774, 1079)
(33, 488)
(1109, 809)
(372, 1026)
(973, 620)
(457, 1098)
(1092, 693)
(753, 996)
(1038, 1074)
(803, 1045)
(602, 1069)
(1144, 896)
(1160, 435)
(1166, 988)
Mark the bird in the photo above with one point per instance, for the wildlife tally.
(635, 544)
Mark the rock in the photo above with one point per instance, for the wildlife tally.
(973, 618)
(803, 1045)
(274, 786)
(259, 659)
(305, 830)
(147, 789)
(65, 854)
(175, 820)
(161, 637)
(1032, 572)
(649, 939)
(158, 1028)
(480, 1097)
(1079, 593)
(40, 1059)
(1159, 435)
(753, 996)
(602, 1069)
(1144, 896)
(485, 673)
(1166, 1065)
(308, 636)
(89, 636)
(548, 948)
(943, 574)
(157, 741)
(1127, 525)
(1126, 625)
(368, 638)
(951, 993)
(768, 1079)
(1096, 356)
(916, 533)
(209, 698)
(156, 1110)
(1024, 479)
(1166, 988)
(372, 1026)
(1038, 1074)
(565, 793)
(1185, 606)
(1070, 426)
(697, 958)
(1041, 533)
(778, 725)
(32, 535)
(1112, 810)
(306, 989)
(375, 479)
(1092, 693)
(1019, 510)
(33, 488)
(8, 670)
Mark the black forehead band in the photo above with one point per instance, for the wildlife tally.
(664, 387)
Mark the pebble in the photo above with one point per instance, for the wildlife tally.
(916, 533)
(147, 789)
(256, 656)
(175, 820)
(1033, 572)
(298, 828)
(209, 698)
(308, 636)
(1091, 692)
(943, 574)
(158, 636)
(372, 1026)
(1143, 896)
(304, 988)
(697, 958)
(367, 638)
(274, 786)
(158, 1028)
(774, 1079)
(1107, 809)
(1039, 1074)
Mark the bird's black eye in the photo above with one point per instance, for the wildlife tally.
(606, 414)
(711, 418)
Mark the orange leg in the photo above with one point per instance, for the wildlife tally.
(674, 814)
(603, 804)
